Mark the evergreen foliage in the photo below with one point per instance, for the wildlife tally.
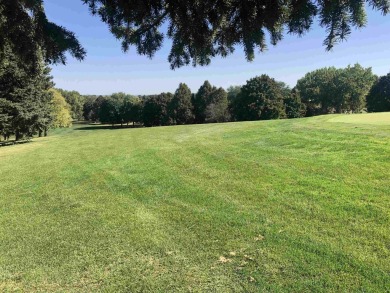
(201, 100)
(378, 100)
(25, 103)
(181, 107)
(217, 108)
(25, 28)
(201, 30)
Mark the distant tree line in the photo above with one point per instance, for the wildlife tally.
(327, 90)
(29, 42)
(29, 105)
(209, 104)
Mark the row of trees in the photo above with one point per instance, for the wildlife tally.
(29, 105)
(327, 90)
(210, 104)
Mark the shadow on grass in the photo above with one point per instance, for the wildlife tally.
(14, 142)
(107, 127)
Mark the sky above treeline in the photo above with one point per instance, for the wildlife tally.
(107, 69)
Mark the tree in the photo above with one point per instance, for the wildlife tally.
(317, 90)
(75, 101)
(294, 106)
(217, 108)
(378, 100)
(181, 106)
(88, 107)
(320, 90)
(135, 114)
(91, 107)
(329, 90)
(286, 90)
(199, 30)
(233, 92)
(25, 102)
(201, 100)
(5, 119)
(60, 110)
(127, 107)
(156, 110)
(354, 84)
(261, 98)
(110, 109)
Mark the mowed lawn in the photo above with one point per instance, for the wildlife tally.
(269, 206)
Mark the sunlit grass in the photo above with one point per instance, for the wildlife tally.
(290, 205)
(369, 118)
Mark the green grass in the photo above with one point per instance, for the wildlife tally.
(371, 118)
(291, 205)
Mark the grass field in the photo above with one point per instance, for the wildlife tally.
(291, 205)
(374, 119)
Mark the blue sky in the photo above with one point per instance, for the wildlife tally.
(107, 69)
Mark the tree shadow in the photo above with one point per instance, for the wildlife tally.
(107, 127)
(13, 142)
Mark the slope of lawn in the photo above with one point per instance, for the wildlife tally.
(372, 118)
(291, 205)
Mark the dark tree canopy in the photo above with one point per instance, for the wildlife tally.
(25, 103)
(261, 98)
(181, 107)
(200, 101)
(217, 108)
(294, 106)
(25, 28)
(378, 100)
(199, 30)
(156, 110)
(91, 107)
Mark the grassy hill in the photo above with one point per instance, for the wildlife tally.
(289, 205)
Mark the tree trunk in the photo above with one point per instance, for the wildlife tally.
(17, 135)
(45, 132)
(40, 132)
